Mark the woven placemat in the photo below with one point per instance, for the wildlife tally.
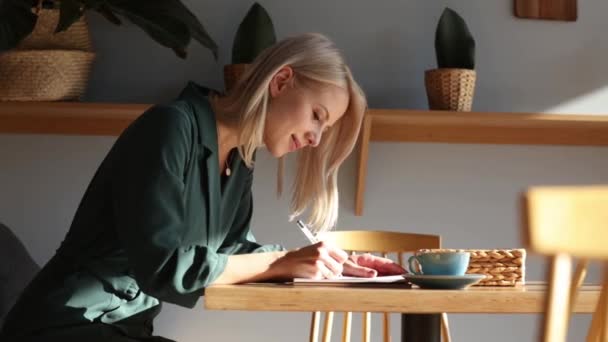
(502, 267)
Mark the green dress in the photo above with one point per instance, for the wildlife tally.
(156, 224)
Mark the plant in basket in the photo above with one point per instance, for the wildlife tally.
(255, 33)
(452, 85)
(45, 49)
(168, 22)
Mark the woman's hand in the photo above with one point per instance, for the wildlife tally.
(319, 261)
(369, 266)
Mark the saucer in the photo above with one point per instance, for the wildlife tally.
(446, 282)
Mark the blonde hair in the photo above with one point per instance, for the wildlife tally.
(313, 58)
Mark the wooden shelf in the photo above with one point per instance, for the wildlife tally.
(73, 118)
(85, 118)
(475, 128)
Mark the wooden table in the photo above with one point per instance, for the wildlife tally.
(420, 307)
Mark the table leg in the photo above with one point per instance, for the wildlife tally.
(421, 328)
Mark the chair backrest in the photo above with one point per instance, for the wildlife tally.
(381, 241)
(567, 219)
(563, 222)
(377, 242)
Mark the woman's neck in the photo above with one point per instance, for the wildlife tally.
(226, 141)
(227, 137)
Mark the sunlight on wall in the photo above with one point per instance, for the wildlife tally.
(593, 103)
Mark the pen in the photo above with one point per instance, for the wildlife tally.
(311, 238)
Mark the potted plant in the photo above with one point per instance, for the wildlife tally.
(255, 33)
(168, 22)
(45, 49)
(452, 85)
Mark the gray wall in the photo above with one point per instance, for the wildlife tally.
(466, 193)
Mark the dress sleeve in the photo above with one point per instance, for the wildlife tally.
(150, 210)
(240, 240)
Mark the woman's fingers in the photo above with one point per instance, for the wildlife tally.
(332, 258)
(332, 265)
(321, 260)
(324, 272)
(384, 266)
(389, 268)
(336, 253)
(354, 270)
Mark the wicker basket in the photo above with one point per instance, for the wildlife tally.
(502, 267)
(76, 37)
(44, 75)
(450, 89)
(232, 73)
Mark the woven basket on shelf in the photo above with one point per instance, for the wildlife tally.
(76, 37)
(502, 267)
(44, 75)
(46, 66)
(232, 73)
(450, 89)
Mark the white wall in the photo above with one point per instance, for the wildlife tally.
(466, 193)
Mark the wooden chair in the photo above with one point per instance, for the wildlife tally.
(375, 242)
(565, 222)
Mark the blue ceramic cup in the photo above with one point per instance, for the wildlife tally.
(439, 263)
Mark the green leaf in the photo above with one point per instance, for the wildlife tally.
(70, 12)
(255, 33)
(93, 4)
(166, 31)
(198, 31)
(103, 9)
(108, 14)
(168, 22)
(16, 22)
(454, 44)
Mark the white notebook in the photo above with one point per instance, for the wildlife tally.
(350, 280)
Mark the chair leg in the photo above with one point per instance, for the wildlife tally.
(329, 322)
(445, 328)
(604, 321)
(386, 330)
(314, 326)
(556, 312)
(348, 319)
(367, 320)
(577, 280)
(595, 329)
(593, 334)
(604, 304)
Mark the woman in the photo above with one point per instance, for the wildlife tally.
(167, 212)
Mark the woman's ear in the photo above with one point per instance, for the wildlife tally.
(281, 80)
